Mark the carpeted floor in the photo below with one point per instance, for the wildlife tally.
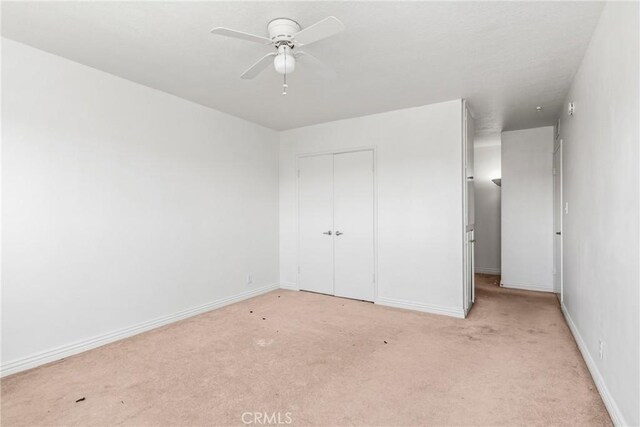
(316, 359)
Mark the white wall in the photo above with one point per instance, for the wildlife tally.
(419, 189)
(527, 209)
(122, 204)
(487, 200)
(600, 184)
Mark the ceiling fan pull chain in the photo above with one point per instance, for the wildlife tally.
(284, 84)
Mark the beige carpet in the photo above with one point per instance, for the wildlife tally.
(323, 360)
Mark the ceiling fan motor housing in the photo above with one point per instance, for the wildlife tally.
(282, 29)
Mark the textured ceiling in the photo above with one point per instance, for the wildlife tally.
(504, 57)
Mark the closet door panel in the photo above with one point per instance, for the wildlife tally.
(315, 192)
(354, 225)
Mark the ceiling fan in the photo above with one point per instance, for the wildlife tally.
(286, 35)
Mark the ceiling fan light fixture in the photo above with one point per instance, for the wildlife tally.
(284, 63)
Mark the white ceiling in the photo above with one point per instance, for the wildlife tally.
(504, 57)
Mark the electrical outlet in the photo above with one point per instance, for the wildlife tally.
(249, 279)
(566, 208)
(601, 350)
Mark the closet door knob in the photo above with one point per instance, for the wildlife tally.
(328, 233)
(339, 233)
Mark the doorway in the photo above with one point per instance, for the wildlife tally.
(336, 224)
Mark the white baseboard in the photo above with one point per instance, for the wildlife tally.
(609, 402)
(427, 308)
(537, 288)
(290, 286)
(100, 340)
(487, 270)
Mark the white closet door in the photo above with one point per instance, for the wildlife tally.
(354, 222)
(316, 223)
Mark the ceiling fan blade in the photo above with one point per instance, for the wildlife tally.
(221, 31)
(318, 31)
(317, 66)
(259, 66)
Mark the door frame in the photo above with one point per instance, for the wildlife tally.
(371, 148)
(557, 174)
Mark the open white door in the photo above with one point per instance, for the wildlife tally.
(354, 225)
(469, 209)
(557, 219)
(315, 191)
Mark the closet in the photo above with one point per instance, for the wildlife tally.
(336, 220)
